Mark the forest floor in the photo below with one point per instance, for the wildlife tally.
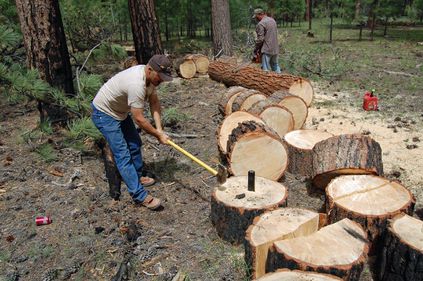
(92, 236)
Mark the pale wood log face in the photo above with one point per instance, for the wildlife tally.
(409, 230)
(230, 123)
(246, 105)
(297, 276)
(267, 193)
(306, 139)
(298, 109)
(303, 89)
(368, 195)
(261, 153)
(341, 243)
(279, 119)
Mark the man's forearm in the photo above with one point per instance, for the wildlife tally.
(147, 127)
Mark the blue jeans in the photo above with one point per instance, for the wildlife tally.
(270, 62)
(125, 144)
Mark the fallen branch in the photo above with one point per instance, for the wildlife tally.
(399, 73)
(69, 184)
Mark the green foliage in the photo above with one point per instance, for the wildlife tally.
(8, 38)
(46, 152)
(171, 117)
(108, 51)
(80, 129)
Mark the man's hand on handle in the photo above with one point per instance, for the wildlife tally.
(163, 138)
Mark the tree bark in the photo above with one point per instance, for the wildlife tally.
(145, 29)
(221, 27)
(266, 82)
(45, 42)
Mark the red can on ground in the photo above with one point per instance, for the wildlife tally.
(370, 101)
(43, 220)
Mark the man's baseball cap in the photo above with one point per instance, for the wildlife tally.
(258, 12)
(162, 65)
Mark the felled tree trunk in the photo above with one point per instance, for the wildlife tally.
(245, 100)
(368, 200)
(228, 124)
(293, 103)
(275, 116)
(225, 105)
(263, 81)
(297, 275)
(339, 249)
(233, 206)
(280, 224)
(402, 255)
(343, 155)
(185, 67)
(300, 145)
(253, 146)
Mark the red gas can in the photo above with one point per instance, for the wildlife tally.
(43, 220)
(370, 101)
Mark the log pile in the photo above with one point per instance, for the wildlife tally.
(294, 104)
(234, 206)
(188, 66)
(339, 249)
(369, 200)
(297, 275)
(266, 82)
(402, 255)
(276, 225)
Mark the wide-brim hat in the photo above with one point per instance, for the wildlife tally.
(162, 65)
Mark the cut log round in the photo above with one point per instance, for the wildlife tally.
(297, 275)
(295, 104)
(402, 256)
(225, 105)
(246, 99)
(275, 116)
(254, 146)
(345, 155)
(264, 81)
(234, 207)
(300, 145)
(201, 63)
(185, 67)
(231, 122)
(339, 249)
(272, 226)
(368, 200)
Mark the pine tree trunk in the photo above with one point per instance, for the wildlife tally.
(45, 42)
(145, 29)
(221, 26)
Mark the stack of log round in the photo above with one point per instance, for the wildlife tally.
(246, 99)
(370, 201)
(225, 105)
(254, 146)
(402, 255)
(264, 81)
(228, 124)
(233, 206)
(201, 63)
(339, 249)
(343, 155)
(294, 104)
(297, 275)
(272, 226)
(185, 67)
(275, 116)
(300, 145)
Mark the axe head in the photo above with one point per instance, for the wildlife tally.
(222, 174)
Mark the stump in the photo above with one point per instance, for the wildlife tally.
(230, 123)
(264, 81)
(225, 105)
(201, 63)
(273, 226)
(300, 145)
(113, 176)
(254, 146)
(368, 200)
(345, 154)
(275, 116)
(339, 249)
(233, 206)
(246, 99)
(297, 275)
(295, 104)
(185, 67)
(402, 256)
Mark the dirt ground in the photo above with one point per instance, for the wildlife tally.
(93, 237)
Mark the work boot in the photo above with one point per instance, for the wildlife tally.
(147, 181)
(151, 202)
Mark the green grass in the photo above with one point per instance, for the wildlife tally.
(46, 152)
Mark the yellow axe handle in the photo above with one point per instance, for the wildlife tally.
(193, 158)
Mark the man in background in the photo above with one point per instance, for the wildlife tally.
(267, 45)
